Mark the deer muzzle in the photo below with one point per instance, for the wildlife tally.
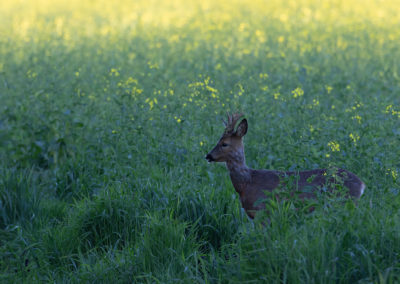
(210, 158)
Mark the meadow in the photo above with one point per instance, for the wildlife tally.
(107, 109)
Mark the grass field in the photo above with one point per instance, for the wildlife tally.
(108, 109)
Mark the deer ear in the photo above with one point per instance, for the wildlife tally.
(242, 128)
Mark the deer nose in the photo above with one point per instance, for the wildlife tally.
(209, 158)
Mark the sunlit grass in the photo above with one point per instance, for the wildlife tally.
(108, 107)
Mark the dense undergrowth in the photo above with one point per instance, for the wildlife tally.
(107, 110)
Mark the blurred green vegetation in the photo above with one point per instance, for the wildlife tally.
(108, 108)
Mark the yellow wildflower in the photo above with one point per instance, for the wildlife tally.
(298, 92)
(328, 89)
(354, 138)
(335, 147)
(357, 117)
(114, 72)
(393, 173)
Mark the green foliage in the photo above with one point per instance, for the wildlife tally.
(107, 111)
(19, 197)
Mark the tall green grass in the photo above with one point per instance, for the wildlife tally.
(107, 111)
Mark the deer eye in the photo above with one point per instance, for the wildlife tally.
(224, 145)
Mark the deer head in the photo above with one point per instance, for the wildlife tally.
(230, 145)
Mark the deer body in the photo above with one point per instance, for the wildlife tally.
(251, 184)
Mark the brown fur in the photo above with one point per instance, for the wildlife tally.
(251, 184)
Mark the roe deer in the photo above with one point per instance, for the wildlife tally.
(251, 184)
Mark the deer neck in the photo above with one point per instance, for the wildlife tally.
(238, 169)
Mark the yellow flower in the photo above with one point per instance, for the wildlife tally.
(298, 92)
(354, 138)
(335, 147)
(261, 36)
(391, 110)
(211, 89)
(114, 72)
(357, 117)
(328, 89)
(314, 104)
